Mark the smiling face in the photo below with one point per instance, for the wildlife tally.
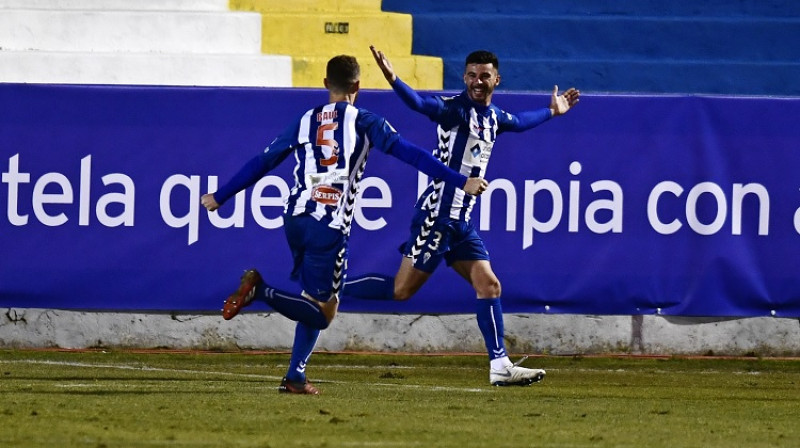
(480, 81)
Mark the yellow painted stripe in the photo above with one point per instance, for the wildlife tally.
(335, 33)
(312, 31)
(420, 72)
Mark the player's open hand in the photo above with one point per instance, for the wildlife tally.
(475, 185)
(560, 104)
(209, 202)
(384, 64)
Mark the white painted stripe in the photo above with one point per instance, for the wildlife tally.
(241, 375)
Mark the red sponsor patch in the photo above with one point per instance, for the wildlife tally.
(325, 194)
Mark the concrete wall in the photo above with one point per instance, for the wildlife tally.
(525, 334)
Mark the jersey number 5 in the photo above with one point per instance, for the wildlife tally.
(333, 144)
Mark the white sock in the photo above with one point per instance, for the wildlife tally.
(500, 363)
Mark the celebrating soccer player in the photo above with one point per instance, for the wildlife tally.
(467, 127)
(331, 143)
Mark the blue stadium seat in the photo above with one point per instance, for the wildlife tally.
(712, 47)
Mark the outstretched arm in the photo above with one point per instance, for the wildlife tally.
(559, 105)
(433, 167)
(249, 174)
(386, 139)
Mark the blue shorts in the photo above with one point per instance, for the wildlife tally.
(449, 239)
(315, 248)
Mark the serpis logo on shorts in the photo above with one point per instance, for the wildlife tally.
(326, 194)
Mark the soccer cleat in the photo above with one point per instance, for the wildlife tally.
(514, 375)
(297, 387)
(243, 296)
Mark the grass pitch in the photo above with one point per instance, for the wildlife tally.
(128, 399)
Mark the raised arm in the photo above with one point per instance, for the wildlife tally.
(384, 64)
(428, 106)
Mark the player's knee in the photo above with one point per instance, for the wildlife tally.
(321, 322)
(402, 294)
(328, 312)
(489, 289)
(405, 291)
(408, 281)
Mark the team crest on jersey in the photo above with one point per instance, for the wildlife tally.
(476, 150)
(326, 194)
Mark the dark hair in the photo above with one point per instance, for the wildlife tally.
(342, 72)
(482, 57)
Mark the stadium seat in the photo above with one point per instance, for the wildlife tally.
(648, 46)
(160, 42)
(312, 31)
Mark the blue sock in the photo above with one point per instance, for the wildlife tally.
(369, 287)
(305, 338)
(490, 321)
(294, 306)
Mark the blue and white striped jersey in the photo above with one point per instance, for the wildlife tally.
(467, 132)
(330, 145)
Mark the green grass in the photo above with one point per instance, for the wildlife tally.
(123, 399)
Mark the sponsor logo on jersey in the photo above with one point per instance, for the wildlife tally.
(326, 194)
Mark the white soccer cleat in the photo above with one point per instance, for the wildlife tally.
(514, 375)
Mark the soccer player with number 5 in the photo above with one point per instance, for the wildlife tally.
(330, 144)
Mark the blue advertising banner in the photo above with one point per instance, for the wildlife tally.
(675, 205)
